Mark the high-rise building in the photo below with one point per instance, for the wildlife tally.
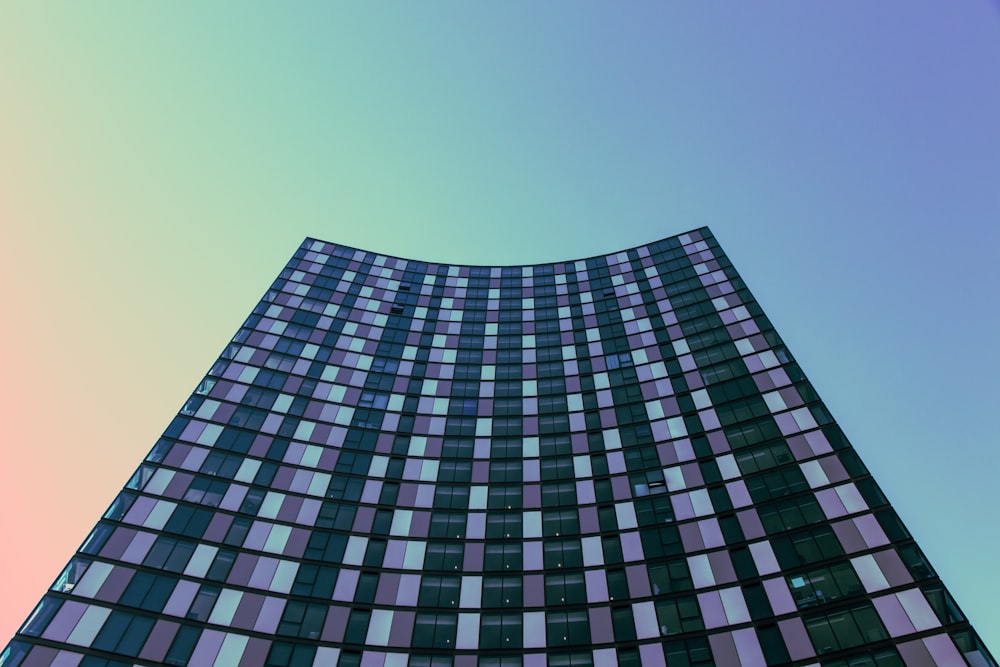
(397, 463)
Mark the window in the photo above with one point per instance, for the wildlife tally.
(763, 458)
(557, 468)
(747, 435)
(776, 484)
(505, 472)
(367, 585)
(504, 497)
(170, 555)
(567, 628)
(357, 626)
(663, 541)
(201, 608)
(315, 581)
(806, 547)
(302, 619)
(845, 629)
(434, 630)
(455, 471)
(887, 657)
(670, 577)
(503, 525)
(451, 497)
(562, 553)
(148, 591)
(443, 557)
(824, 585)
(555, 494)
(500, 592)
(183, 645)
(560, 522)
(497, 631)
(654, 510)
(790, 513)
(123, 633)
(623, 624)
(504, 556)
(563, 589)
(327, 547)
(439, 591)
(691, 652)
(447, 524)
(945, 607)
(678, 614)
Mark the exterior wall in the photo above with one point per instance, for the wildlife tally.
(611, 461)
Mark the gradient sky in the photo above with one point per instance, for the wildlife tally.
(159, 163)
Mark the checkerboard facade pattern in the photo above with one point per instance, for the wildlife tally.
(395, 463)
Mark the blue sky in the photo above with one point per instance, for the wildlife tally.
(161, 164)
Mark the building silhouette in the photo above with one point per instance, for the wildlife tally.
(396, 463)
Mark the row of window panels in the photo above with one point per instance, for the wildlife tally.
(441, 303)
(337, 397)
(582, 297)
(786, 513)
(656, 467)
(469, 330)
(481, 330)
(125, 633)
(716, 364)
(654, 508)
(306, 304)
(721, 383)
(469, 338)
(598, 280)
(575, 411)
(685, 299)
(586, 290)
(597, 283)
(802, 589)
(635, 442)
(650, 505)
(372, 320)
(793, 502)
(314, 308)
(639, 356)
(240, 402)
(796, 554)
(221, 649)
(679, 465)
(720, 364)
(770, 519)
(198, 522)
(646, 324)
(377, 268)
(601, 429)
(756, 475)
(648, 384)
(688, 462)
(236, 403)
(729, 529)
(675, 268)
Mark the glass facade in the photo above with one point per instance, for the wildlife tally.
(395, 463)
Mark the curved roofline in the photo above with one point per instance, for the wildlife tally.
(308, 239)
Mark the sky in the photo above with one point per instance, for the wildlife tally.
(159, 163)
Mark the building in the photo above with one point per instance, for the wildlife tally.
(394, 463)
